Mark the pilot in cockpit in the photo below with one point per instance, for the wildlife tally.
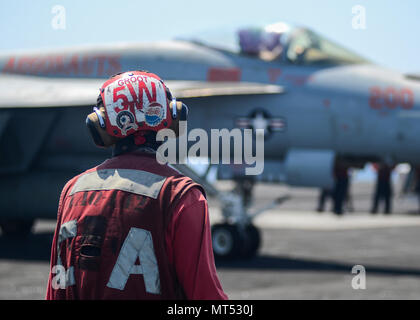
(297, 45)
(266, 43)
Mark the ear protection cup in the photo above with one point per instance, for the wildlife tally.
(182, 115)
(96, 127)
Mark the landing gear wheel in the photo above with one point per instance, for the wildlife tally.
(227, 241)
(230, 242)
(16, 227)
(252, 241)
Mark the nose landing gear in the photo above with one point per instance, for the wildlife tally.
(236, 236)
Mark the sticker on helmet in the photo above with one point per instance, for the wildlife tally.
(153, 114)
(126, 121)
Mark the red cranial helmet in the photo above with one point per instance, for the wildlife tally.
(133, 103)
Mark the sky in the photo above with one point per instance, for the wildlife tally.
(389, 38)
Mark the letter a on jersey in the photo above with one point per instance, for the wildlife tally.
(138, 244)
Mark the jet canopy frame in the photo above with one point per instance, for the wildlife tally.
(279, 42)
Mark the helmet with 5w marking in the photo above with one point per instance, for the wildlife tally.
(133, 103)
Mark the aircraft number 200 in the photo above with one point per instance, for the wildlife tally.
(391, 98)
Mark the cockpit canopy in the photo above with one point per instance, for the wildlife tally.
(281, 42)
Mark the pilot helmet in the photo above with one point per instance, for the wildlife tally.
(250, 40)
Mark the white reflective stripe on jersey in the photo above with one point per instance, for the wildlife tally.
(67, 230)
(135, 181)
(139, 244)
(64, 278)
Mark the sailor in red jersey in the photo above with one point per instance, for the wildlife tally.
(132, 228)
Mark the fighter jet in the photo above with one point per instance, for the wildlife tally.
(317, 102)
